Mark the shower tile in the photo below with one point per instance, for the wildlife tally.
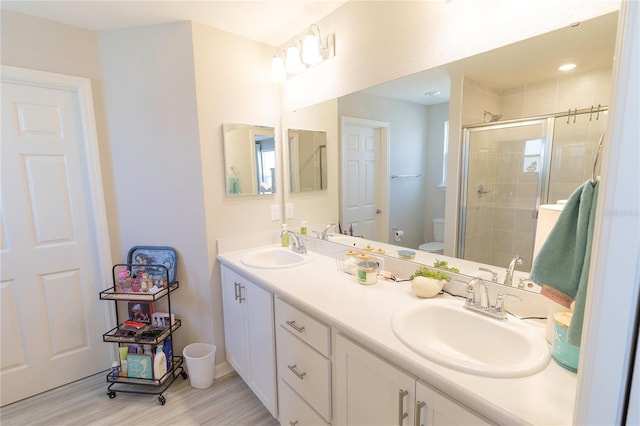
(502, 241)
(503, 219)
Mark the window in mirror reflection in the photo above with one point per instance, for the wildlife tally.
(307, 160)
(265, 164)
(250, 159)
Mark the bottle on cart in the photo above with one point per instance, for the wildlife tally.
(159, 363)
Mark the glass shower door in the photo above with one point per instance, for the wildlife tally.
(503, 166)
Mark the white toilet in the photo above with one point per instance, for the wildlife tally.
(436, 246)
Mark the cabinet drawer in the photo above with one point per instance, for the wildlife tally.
(305, 370)
(293, 410)
(307, 328)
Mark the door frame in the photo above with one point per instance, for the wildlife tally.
(90, 157)
(382, 168)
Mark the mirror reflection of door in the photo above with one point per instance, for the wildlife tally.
(362, 202)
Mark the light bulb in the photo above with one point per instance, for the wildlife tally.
(311, 51)
(293, 64)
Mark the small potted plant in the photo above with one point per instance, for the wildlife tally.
(428, 283)
(443, 264)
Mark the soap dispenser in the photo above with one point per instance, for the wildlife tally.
(303, 228)
(284, 236)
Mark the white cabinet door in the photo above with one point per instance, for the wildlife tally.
(435, 409)
(249, 335)
(235, 327)
(369, 390)
(261, 349)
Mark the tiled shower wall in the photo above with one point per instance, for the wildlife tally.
(499, 223)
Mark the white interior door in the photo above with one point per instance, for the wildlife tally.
(53, 249)
(364, 202)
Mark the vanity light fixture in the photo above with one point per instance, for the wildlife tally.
(566, 67)
(292, 64)
(313, 50)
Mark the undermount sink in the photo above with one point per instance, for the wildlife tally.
(275, 257)
(442, 331)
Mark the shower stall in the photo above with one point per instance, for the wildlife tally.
(510, 168)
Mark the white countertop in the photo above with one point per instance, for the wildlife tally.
(364, 314)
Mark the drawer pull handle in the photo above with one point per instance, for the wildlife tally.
(419, 406)
(293, 325)
(296, 372)
(292, 423)
(236, 287)
(401, 414)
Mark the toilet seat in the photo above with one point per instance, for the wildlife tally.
(433, 247)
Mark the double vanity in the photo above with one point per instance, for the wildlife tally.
(317, 347)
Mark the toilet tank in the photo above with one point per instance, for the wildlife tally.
(438, 229)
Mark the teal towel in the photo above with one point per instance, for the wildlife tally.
(234, 185)
(563, 260)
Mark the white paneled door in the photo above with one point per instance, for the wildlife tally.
(54, 249)
(364, 205)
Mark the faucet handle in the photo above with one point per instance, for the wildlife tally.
(499, 307)
(494, 274)
(470, 289)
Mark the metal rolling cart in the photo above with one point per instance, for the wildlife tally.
(148, 277)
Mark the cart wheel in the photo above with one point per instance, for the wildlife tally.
(161, 400)
(111, 394)
(184, 375)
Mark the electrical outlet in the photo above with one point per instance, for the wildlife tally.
(275, 212)
(288, 211)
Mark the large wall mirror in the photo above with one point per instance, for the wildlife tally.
(424, 132)
(307, 160)
(249, 158)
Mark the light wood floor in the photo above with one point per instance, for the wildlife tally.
(85, 402)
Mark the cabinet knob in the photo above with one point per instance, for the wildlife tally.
(292, 423)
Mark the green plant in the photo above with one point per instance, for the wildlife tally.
(429, 273)
(443, 264)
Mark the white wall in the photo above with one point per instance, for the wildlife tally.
(378, 41)
(232, 85)
(154, 136)
(318, 207)
(435, 197)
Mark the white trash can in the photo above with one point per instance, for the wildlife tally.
(201, 362)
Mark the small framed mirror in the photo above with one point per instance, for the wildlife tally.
(307, 160)
(249, 158)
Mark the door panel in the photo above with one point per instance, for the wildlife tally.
(52, 319)
(361, 197)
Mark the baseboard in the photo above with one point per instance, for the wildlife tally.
(223, 369)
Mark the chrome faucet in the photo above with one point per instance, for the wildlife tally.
(480, 303)
(508, 279)
(323, 235)
(296, 244)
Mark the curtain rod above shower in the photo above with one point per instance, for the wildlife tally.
(571, 112)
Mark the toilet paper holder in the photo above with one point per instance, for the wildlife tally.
(397, 233)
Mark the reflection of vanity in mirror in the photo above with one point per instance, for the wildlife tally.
(249, 158)
(483, 144)
(307, 160)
